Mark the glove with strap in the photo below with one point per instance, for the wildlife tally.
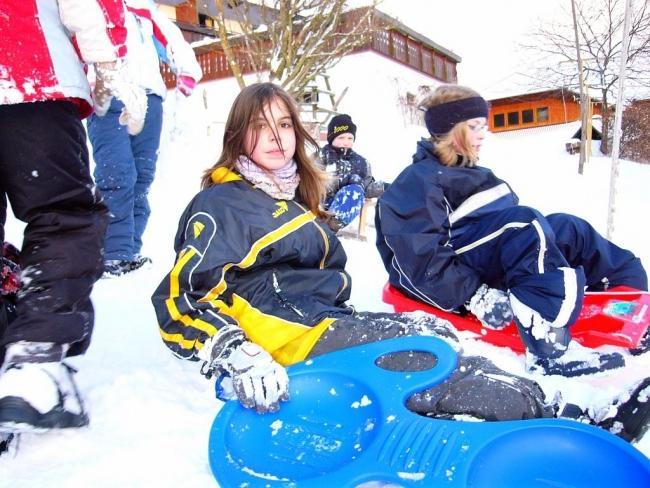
(112, 81)
(491, 306)
(258, 381)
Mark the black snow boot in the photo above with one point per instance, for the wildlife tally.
(632, 415)
(576, 361)
(627, 416)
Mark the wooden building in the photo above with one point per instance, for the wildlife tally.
(557, 106)
(399, 43)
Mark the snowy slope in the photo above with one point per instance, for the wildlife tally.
(151, 413)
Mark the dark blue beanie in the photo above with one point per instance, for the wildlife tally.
(340, 124)
(440, 119)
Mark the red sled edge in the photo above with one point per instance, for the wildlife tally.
(600, 322)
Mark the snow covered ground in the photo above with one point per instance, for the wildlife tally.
(151, 413)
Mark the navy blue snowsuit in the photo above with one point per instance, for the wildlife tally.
(442, 231)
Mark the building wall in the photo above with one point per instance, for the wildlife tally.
(534, 112)
(546, 111)
(186, 12)
(378, 90)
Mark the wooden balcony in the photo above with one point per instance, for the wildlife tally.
(393, 44)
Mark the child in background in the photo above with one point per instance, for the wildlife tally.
(352, 180)
(259, 281)
(125, 164)
(452, 234)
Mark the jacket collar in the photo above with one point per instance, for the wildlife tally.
(424, 150)
(224, 175)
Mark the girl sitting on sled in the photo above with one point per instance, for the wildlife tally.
(453, 235)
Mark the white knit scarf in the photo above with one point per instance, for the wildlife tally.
(280, 184)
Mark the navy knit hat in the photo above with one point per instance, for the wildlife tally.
(340, 124)
(440, 119)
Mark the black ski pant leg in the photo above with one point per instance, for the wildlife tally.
(601, 259)
(44, 170)
(477, 387)
(3, 214)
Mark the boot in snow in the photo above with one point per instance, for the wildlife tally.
(140, 261)
(116, 267)
(37, 390)
(577, 360)
(628, 416)
(632, 415)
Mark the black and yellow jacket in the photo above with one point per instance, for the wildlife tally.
(267, 265)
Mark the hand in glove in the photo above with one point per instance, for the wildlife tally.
(9, 276)
(112, 81)
(492, 307)
(351, 179)
(185, 84)
(258, 381)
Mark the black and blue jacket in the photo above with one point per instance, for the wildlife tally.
(348, 167)
(269, 266)
(419, 217)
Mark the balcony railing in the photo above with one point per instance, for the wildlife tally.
(389, 43)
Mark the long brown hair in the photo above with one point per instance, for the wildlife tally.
(248, 106)
(448, 146)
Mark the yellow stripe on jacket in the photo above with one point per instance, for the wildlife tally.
(250, 258)
(287, 341)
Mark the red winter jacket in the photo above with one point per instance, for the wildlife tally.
(45, 43)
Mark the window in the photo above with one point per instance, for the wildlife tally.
(310, 96)
(527, 116)
(542, 114)
(513, 118)
(499, 120)
(206, 20)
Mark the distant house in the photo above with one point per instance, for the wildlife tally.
(548, 107)
(400, 43)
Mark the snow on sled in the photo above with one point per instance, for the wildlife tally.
(346, 424)
(618, 317)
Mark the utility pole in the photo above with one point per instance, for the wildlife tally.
(618, 122)
(584, 109)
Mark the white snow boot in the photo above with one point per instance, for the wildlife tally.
(37, 390)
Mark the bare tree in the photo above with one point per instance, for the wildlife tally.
(291, 41)
(600, 29)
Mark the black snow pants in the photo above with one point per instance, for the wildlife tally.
(44, 172)
(477, 388)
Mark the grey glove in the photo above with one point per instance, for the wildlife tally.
(112, 81)
(492, 307)
(258, 381)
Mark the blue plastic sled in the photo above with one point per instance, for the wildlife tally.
(347, 424)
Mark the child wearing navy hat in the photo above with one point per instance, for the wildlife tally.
(352, 180)
(453, 235)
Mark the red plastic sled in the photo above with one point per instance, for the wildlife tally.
(617, 317)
